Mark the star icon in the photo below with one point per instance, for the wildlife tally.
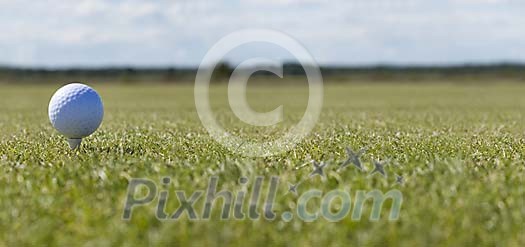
(379, 167)
(293, 188)
(400, 179)
(353, 158)
(318, 169)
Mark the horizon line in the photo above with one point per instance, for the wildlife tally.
(323, 66)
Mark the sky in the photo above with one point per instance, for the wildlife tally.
(96, 33)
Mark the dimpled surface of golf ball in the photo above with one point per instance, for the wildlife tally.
(76, 110)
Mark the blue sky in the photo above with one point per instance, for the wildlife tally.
(56, 33)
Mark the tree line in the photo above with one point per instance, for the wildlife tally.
(221, 73)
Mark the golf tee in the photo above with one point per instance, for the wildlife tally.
(74, 143)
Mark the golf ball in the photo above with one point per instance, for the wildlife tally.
(76, 110)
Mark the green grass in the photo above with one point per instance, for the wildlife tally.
(460, 149)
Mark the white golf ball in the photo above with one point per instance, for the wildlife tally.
(76, 111)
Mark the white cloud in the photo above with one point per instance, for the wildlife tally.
(91, 32)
